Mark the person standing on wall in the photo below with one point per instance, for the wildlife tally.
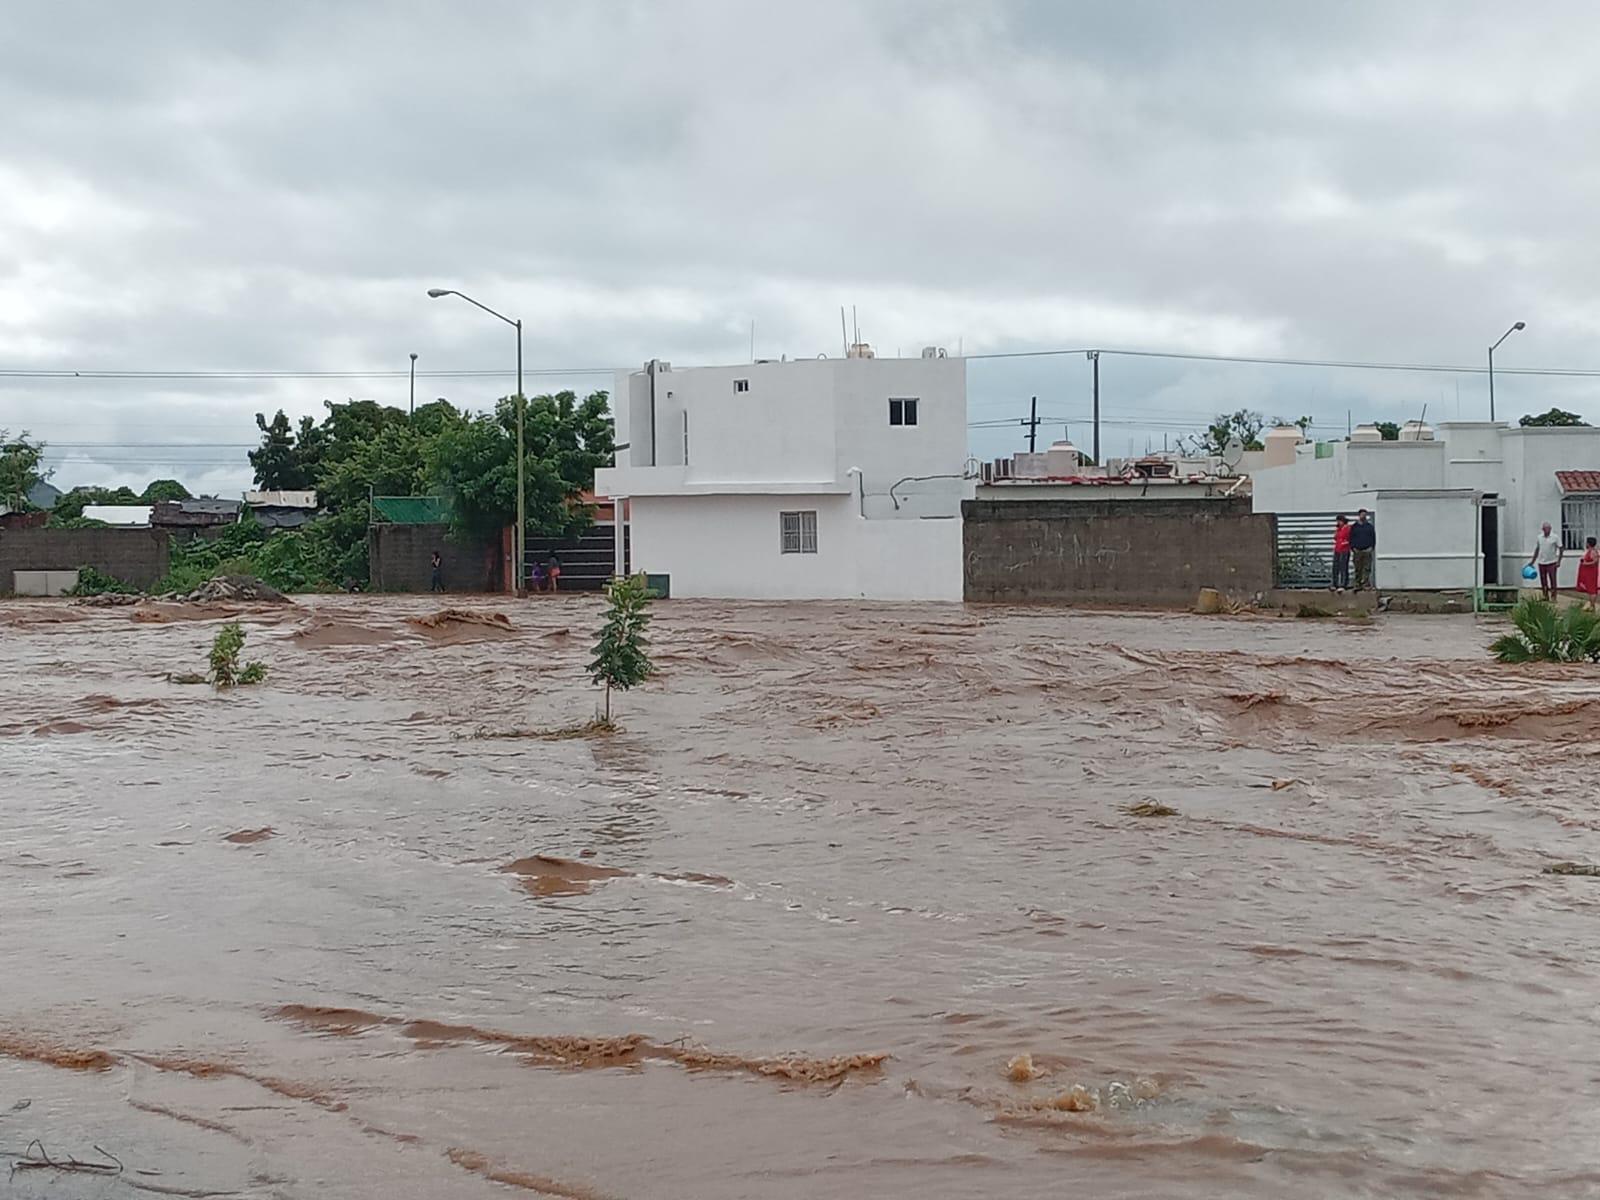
(1547, 554)
(1363, 541)
(1341, 553)
(436, 584)
(1589, 572)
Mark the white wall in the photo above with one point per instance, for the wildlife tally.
(909, 560)
(729, 547)
(886, 454)
(1426, 540)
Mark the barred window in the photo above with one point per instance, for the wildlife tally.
(1580, 519)
(798, 532)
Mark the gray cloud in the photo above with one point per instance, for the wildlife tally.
(199, 186)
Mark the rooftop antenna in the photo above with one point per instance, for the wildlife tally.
(844, 332)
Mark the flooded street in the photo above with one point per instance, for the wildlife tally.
(853, 905)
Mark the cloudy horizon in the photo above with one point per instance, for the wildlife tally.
(199, 189)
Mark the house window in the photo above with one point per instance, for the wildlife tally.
(903, 411)
(1580, 519)
(799, 532)
(741, 385)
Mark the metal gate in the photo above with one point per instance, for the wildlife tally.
(1304, 550)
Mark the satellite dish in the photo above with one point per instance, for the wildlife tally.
(1233, 453)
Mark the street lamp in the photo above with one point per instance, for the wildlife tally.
(519, 537)
(413, 383)
(1503, 337)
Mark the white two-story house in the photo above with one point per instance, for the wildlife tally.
(808, 479)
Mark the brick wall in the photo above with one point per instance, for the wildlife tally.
(1157, 553)
(136, 556)
(400, 560)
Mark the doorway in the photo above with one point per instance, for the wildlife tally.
(1491, 539)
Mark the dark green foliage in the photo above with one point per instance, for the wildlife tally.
(1547, 634)
(1389, 430)
(20, 457)
(71, 504)
(1555, 417)
(164, 489)
(622, 652)
(94, 582)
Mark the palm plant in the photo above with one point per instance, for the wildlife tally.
(1546, 634)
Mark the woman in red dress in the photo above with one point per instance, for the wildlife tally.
(1589, 572)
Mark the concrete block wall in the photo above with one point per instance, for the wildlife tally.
(1156, 553)
(136, 556)
(400, 560)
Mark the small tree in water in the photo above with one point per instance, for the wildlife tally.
(621, 655)
(224, 659)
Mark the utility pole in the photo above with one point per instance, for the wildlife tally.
(1094, 358)
(413, 384)
(1032, 423)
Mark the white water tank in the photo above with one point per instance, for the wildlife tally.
(1416, 431)
(1366, 433)
(861, 350)
(1278, 445)
(1062, 458)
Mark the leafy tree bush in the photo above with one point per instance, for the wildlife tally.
(224, 659)
(621, 654)
(1545, 633)
(1388, 430)
(164, 489)
(1555, 417)
(20, 469)
(94, 582)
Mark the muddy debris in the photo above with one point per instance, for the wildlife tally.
(236, 589)
(54, 1054)
(463, 625)
(1021, 1069)
(1151, 808)
(1587, 870)
(249, 837)
(108, 600)
(546, 875)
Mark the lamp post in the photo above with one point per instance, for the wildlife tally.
(413, 383)
(1503, 337)
(519, 537)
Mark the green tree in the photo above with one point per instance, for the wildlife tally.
(1555, 417)
(1245, 426)
(20, 469)
(473, 464)
(622, 652)
(165, 489)
(277, 462)
(1389, 430)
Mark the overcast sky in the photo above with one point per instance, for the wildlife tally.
(248, 187)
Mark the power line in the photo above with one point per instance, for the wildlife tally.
(1575, 372)
(29, 374)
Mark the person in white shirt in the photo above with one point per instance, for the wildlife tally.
(1547, 554)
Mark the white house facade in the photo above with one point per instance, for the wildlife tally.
(807, 479)
(1455, 508)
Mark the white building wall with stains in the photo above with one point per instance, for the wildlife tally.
(723, 464)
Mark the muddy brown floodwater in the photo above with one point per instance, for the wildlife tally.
(915, 901)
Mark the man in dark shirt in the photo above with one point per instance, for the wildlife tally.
(1363, 541)
(437, 583)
